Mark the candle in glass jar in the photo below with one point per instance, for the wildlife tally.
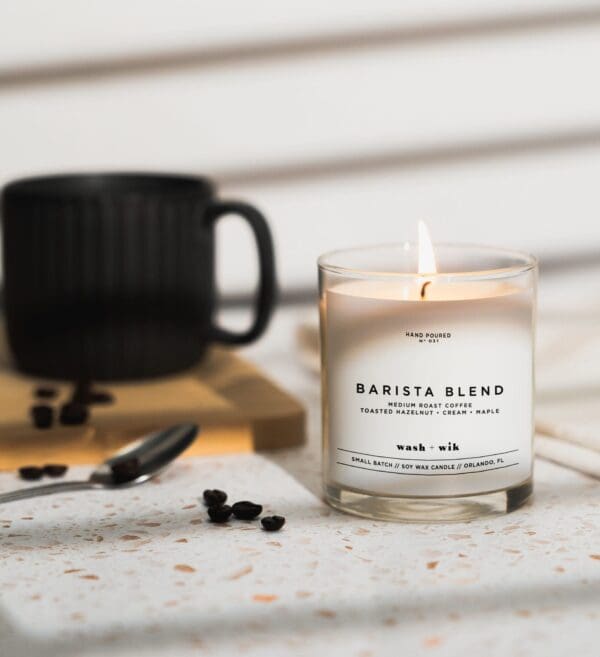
(427, 385)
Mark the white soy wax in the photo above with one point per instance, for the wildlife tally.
(428, 386)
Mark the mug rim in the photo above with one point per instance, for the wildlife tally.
(126, 183)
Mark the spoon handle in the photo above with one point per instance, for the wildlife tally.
(47, 489)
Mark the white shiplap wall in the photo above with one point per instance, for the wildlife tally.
(483, 118)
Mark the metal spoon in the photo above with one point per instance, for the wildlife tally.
(151, 454)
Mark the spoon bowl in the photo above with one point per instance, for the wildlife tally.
(134, 464)
(147, 456)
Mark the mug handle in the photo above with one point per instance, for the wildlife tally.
(267, 287)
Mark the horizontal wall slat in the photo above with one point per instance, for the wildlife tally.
(545, 204)
(492, 141)
(36, 31)
(267, 115)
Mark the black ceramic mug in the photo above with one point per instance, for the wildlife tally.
(112, 276)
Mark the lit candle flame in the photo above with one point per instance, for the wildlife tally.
(427, 263)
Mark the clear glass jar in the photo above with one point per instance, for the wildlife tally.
(427, 381)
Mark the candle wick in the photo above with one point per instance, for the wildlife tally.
(425, 284)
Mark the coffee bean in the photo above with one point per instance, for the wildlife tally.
(214, 497)
(81, 393)
(86, 395)
(101, 397)
(124, 471)
(42, 415)
(55, 469)
(30, 472)
(245, 510)
(272, 523)
(220, 513)
(73, 413)
(45, 392)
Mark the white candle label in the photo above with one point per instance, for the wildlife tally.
(428, 398)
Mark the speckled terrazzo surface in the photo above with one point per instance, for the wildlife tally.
(141, 572)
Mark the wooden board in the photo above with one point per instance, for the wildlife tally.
(238, 408)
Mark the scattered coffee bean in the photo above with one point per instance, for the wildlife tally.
(246, 510)
(46, 392)
(42, 415)
(272, 523)
(31, 472)
(214, 497)
(220, 513)
(73, 413)
(101, 397)
(124, 471)
(81, 392)
(85, 394)
(54, 469)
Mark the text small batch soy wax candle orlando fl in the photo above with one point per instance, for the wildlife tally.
(427, 365)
